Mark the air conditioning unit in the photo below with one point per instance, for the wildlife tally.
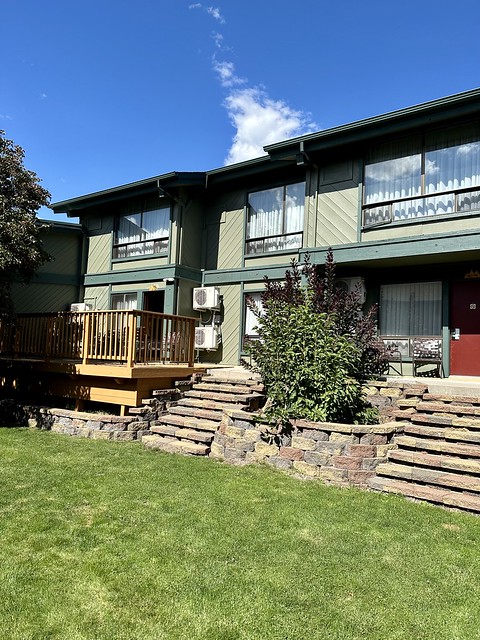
(206, 298)
(80, 306)
(206, 338)
(353, 285)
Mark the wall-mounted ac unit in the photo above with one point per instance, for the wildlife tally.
(206, 338)
(80, 306)
(353, 285)
(206, 298)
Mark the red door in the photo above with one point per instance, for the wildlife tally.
(465, 328)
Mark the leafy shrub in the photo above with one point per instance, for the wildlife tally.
(315, 347)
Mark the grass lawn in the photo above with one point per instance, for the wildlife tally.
(103, 540)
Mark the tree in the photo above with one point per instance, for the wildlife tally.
(21, 196)
(315, 347)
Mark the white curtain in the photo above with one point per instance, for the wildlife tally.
(412, 309)
(250, 317)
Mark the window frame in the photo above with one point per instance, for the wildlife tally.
(385, 206)
(160, 243)
(264, 239)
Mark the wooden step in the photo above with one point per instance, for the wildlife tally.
(429, 476)
(445, 497)
(439, 446)
(175, 446)
(440, 462)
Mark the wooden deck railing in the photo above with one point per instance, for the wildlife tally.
(131, 337)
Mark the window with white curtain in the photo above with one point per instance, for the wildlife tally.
(411, 309)
(141, 233)
(420, 176)
(275, 219)
(250, 318)
(124, 301)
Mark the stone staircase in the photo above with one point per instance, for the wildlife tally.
(190, 422)
(437, 457)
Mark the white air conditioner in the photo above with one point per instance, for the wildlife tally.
(80, 306)
(206, 298)
(206, 338)
(353, 285)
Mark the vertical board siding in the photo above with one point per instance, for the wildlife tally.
(98, 297)
(225, 232)
(232, 321)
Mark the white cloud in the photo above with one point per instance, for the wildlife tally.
(195, 5)
(218, 39)
(4, 116)
(226, 73)
(43, 96)
(260, 121)
(215, 13)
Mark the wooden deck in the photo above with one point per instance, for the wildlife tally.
(116, 357)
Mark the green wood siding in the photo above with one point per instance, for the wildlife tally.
(99, 253)
(337, 216)
(191, 235)
(140, 263)
(422, 227)
(98, 297)
(185, 297)
(43, 298)
(225, 231)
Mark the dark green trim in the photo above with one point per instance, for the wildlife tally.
(455, 242)
(132, 189)
(131, 276)
(429, 113)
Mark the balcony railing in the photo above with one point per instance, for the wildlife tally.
(131, 337)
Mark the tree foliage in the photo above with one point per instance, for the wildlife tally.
(21, 195)
(315, 347)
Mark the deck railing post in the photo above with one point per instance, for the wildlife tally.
(132, 334)
(87, 328)
(191, 342)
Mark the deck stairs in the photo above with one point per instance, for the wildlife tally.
(190, 423)
(437, 455)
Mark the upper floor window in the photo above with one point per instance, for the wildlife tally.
(423, 176)
(142, 233)
(275, 219)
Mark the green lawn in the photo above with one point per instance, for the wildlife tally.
(104, 540)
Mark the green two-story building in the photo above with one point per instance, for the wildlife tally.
(397, 198)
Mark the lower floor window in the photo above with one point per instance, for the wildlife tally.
(412, 309)
(250, 318)
(124, 301)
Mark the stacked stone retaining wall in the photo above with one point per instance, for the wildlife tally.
(340, 454)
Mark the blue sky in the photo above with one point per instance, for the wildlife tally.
(101, 93)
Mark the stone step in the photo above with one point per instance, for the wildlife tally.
(468, 422)
(209, 404)
(224, 398)
(435, 397)
(429, 476)
(223, 387)
(175, 446)
(445, 497)
(445, 433)
(183, 433)
(454, 407)
(188, 422)
(437, 461)
(438, 446)
(247, 380)
(193, 412)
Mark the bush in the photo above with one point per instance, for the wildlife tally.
(315, 347)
